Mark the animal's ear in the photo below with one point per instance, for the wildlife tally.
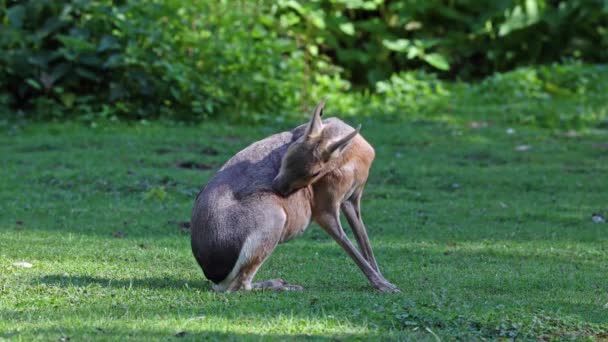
(338, 146)
(315, 126)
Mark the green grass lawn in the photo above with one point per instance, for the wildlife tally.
(485, 241)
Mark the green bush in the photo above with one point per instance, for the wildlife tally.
(177, 59)
(372, 39)
(413, 91)
(563, 96)
(265, 60)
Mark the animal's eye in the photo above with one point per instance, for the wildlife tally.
(315, 174)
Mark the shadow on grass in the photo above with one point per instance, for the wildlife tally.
(152, 283)
(266, 307)
(111, 334)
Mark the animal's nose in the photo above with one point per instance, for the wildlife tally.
(281, 187)
(284, 191)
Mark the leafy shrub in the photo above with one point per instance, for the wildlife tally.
(560, 96)
(265, 60)
(565, 96)
(372, 39)
(413, 91)
(522, 84)
(406, 95)
(184, 60)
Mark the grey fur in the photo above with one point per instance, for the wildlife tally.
(247, 200)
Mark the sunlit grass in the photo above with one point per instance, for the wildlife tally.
(485, 241)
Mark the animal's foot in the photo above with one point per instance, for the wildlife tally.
(385, 286)
(276, 285)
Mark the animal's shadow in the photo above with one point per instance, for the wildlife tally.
(153, 282)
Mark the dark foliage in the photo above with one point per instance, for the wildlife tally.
(260, 60)
(465, 38)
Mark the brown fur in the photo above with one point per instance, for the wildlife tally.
(269, 192)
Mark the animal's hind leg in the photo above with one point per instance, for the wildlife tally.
(255, 251)
(276, 285)
(249, 271)
(264, 235)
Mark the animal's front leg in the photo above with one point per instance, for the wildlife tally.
(330, 222)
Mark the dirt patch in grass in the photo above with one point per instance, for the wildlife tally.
(192, 165)
(163, 150)
(39, 148)
(483, 158)
(209, 151)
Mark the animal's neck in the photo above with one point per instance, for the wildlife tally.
(298, 210)
(302, 198)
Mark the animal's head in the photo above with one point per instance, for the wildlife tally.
(310, 156)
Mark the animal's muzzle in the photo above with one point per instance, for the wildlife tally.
(281, 187)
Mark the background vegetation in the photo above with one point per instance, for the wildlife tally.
(486, 203)
(268, 60)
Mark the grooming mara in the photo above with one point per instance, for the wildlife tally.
(269, 192)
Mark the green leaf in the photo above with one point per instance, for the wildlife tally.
(107, 42)
(360, 4)
(348, 28)
(33, 83)
(15, 15)
(68, 99)
(414, 51)
(157, 193)
(399, 45)
(314, 50)
(520, 18)
(317, 19)
(437, 60)
(51, 25)
(59, 71)
(113, 61)
(76, 43)
(89, 59)
(90, 75)
(293, 5)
